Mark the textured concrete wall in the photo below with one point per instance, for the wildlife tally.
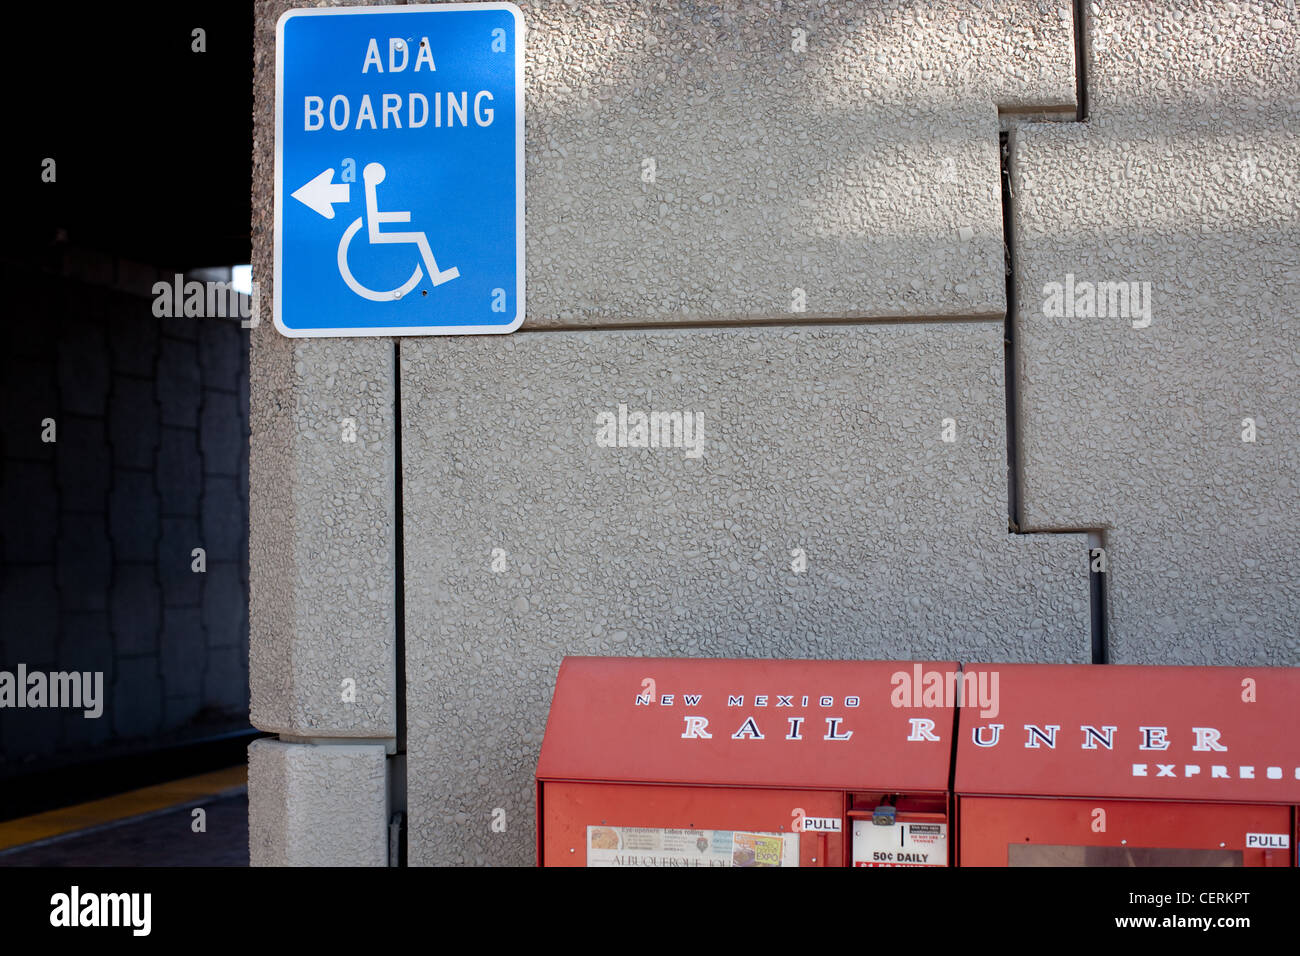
(322, 543)
(98, 527)
(860, 167)
(819, 439)
(322, 513)
(1185, 178)
(317, 805)
(810, 161)
(845, 149)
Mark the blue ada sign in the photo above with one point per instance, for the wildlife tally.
(399, 170)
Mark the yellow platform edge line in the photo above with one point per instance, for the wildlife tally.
(81, 816)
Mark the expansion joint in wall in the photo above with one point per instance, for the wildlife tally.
(388, 743)
(1096, 536)
(757, 322)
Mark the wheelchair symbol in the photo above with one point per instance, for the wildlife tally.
(372, 176)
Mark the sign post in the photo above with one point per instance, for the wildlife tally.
(399, 170)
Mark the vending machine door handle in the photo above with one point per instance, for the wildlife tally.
(812, 849)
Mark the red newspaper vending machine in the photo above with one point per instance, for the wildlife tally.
(1130, 766)
(673, 762)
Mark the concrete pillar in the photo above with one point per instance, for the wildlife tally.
(317, 805)
(322, 529)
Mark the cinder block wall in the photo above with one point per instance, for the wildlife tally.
(815, 271)
(150, 461)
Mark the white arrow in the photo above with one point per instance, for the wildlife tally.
(321, 193)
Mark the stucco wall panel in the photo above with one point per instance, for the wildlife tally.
(846, 150)
(816, 439)
(1183, 179)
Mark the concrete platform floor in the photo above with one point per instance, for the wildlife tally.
(155, 826)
